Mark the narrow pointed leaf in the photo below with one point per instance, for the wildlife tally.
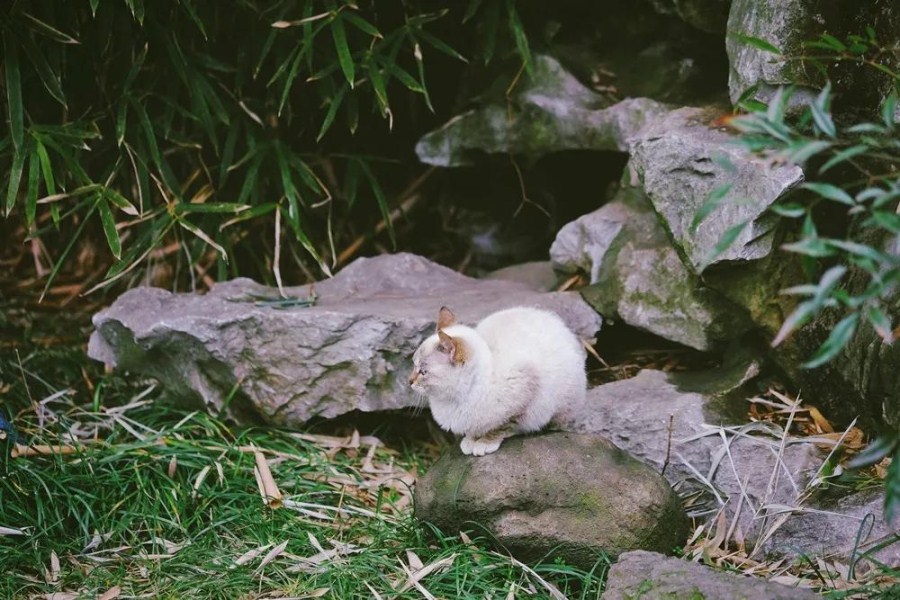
(15, 177)
(840, 336)
(31, 193)
(345, 58)
(882, 324)
(518, 33)
(879, 448)
(109, 227)
(797, 319)
(716, 197)
(203, 236)
(843, 156)
(758, 43)
(14, 94)
(830, 192)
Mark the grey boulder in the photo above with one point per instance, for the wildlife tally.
(692, 427)
(349, 351)
(788, 24)
(556, 494)
(681, 159)
(651, 576)
(636, 276)
(552, 112)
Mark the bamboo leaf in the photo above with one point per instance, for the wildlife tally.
(518, 33)
(31, 194)
(203, 236)
(796, 320)
(727, 239)
(830, 192)
(379, 198)
(889, 110)
(361, 24)
(48, 77)
(471, 9)
(345, 58)
(137, 9)
(440, 45)
(121, 123)
(843, 156)
(65, 253)
(882, 446)
(882, 324)
(210, 207)
(109, 227)
(46, 168)
(491, 19)
(837, 340)
(758, 43)
(716, 197)
(820, 114)
(147, 127)
(333, 107)
(791, 210)
(14, 95)
(120, 202)
(48, 30)
(15, 177)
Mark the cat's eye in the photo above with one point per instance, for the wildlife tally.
(422, 371)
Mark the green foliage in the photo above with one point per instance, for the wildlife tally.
(852, 190)
(850, 169)
(186, 120)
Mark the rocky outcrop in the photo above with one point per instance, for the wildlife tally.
(350, 350)
(787, 25)
(636, 276)
(651, 576)
(552, 112)
(681, 159)
(558, 494)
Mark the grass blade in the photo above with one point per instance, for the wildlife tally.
(15, 177)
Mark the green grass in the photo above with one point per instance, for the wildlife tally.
(162, 501)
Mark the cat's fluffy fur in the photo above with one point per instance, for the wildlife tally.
(512, 373)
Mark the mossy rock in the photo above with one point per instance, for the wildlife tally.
(557, 495)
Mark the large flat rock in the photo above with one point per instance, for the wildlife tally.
(350, 351)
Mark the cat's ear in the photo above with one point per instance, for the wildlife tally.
(452, 347)
(446, 318)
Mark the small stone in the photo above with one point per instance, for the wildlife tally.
(651, 576)
(574, 496)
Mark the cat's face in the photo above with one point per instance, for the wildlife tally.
(432, 368)
(438, 360)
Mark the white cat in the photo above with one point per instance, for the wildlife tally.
(512, 373)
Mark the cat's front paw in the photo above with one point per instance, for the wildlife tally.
(480, 446)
